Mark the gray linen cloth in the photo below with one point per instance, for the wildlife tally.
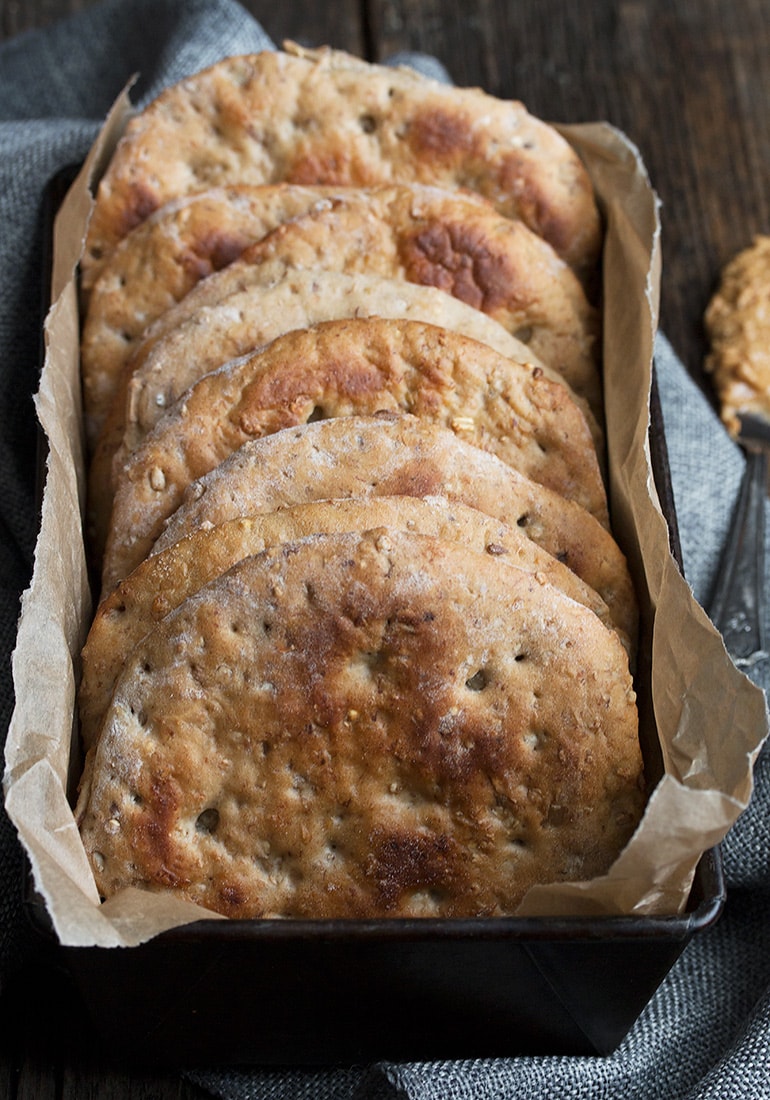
(706, 1033)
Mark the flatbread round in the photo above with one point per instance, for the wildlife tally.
(402, 455)
(326, 117)
(203, 336)
(162, 582)
(436, 238)
(371, 725)
(344, 368)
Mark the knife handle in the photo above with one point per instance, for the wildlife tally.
(738, 604)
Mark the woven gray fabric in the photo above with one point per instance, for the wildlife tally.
(706, 1033)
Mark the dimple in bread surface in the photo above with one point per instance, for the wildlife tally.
(366, 725)
(163, 581)
(400, 454)
(343, 368)
(328, 118)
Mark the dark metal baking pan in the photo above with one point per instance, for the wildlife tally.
(333, 992)
(271, 992)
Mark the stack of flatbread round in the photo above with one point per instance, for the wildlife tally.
(365, 640)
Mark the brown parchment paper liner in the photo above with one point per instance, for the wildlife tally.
(711, 720)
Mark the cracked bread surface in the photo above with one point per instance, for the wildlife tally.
(340, 369)
(383, 724)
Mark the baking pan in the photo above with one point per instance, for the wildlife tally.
(334, 992)
(277, 992)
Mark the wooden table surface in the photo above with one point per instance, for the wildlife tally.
(687, 80)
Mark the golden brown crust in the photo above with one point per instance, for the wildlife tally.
(401, 455)
(423, 739)
(436, 238)
(328, 118)
(206, 331)
(738, 326)
(162, 582)
(344, 368)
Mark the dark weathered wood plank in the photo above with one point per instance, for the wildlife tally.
(338, 24)
(47, 1051)
(98, 1083)
(37, 1078)
(8, 1073)
(25, 15)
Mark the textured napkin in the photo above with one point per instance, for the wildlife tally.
(706, 1033)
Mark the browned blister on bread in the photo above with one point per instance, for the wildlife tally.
(426, 235)
(371, 725)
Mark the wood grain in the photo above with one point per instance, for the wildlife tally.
(19, 15)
